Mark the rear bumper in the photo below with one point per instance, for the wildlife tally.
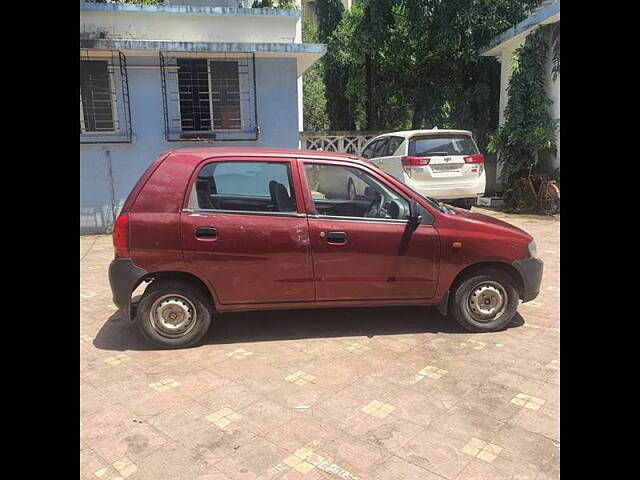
(452, 191)
(124, 276)
(530, 270)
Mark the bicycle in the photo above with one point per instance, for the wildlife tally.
(546, 196)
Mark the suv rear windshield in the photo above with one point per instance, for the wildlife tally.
(442, 145)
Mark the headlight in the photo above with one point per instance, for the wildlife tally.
(533, 250)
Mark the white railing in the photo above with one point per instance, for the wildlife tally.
(336, 141)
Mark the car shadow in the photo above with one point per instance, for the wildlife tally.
(278, 325)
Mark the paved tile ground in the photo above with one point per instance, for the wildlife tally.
(390, 393)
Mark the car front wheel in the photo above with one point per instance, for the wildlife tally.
(484, 302)
(173, 314)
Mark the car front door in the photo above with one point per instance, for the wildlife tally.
(360, 252)
(244, 231)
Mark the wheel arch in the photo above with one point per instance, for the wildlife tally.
(503, 267)
(186, 277)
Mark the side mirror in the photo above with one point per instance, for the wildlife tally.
(415, 216)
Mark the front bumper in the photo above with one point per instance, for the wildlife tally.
(124, 276)
(530, 270)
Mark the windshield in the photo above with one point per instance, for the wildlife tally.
(442, 145)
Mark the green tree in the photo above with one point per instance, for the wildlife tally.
(528, 136)
(314, 94)
(336, 66)
(415, 63)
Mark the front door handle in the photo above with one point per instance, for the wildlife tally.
(206, 232)
(337, 237)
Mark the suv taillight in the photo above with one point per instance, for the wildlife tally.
(121, 236)
(475, 158)
(409, 162)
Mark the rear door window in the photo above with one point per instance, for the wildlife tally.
(369, 149)
(442, 145)
(245, 186)
(380, 150)
(392, 146)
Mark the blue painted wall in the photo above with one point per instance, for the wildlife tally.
(277, 105)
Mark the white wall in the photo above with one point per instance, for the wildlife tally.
(191, 27)
(277, 104)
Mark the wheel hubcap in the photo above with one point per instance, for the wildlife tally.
(486, 301)
(173, 315)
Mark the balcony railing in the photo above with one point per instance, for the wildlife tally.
(336, 141)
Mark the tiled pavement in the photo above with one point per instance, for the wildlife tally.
(391, 393)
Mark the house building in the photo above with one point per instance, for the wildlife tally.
(153, 78)
(503, 47)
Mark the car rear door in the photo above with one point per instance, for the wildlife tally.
(359, 258)
(451, 160)
(250, 247)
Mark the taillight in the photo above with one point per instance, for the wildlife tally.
(121, 236)
(475, 158)
(409, 162)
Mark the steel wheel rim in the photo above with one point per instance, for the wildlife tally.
(486, 301)
(173, 315)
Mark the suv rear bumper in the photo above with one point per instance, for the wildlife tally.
(124, 276)
(530, 270)
(451, 191)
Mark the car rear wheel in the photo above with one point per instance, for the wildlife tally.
(484, 301)
(173, 314)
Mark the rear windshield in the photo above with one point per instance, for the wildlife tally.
(442, 145)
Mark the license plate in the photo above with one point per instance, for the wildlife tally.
(446, 167)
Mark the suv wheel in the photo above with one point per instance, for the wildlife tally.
(173, 314)
(484, 302)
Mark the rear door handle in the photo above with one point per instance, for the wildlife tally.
(337, 237)
(206, 232)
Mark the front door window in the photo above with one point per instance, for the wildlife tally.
(342, 191)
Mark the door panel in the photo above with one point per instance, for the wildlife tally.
(365, 258)
(260, 252)
(251, 258)
(378, 260)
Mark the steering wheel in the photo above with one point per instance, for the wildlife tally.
(375, 209)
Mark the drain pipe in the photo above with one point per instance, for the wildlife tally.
(112, 191)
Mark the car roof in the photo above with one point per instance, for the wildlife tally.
(202, 153)
(432, 131)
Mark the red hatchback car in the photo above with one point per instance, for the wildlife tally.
(228, 229)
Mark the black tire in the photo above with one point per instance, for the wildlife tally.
(187, 297)
(489, 281)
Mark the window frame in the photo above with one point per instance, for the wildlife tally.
(294, 185)
(246, 82)
(310, 205)
(119, 91)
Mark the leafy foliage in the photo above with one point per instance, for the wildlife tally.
(314, 95)
(285, 4)
(337, 68)
(394, 64)
(528, 136)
